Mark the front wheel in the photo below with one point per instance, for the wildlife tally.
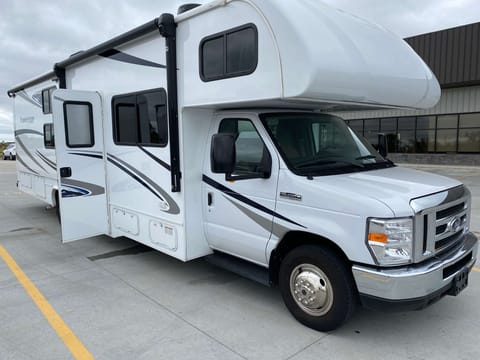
(317, 287)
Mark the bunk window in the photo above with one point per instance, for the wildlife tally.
(47, 100)
(229, 54)
(78, 124)
(48, 136)
(141, 118)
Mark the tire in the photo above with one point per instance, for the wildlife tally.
(326, 295)
(14, 157)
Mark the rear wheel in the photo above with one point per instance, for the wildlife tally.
(317, 287)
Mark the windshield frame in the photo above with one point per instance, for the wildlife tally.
(347, 167)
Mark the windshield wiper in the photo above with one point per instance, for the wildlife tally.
(315, 162)
(326, 162)
(366, 157)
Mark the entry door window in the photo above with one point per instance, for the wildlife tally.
(78, 124)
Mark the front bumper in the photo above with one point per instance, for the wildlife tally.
(414, 286)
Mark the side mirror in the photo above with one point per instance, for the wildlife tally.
(222, 154)
(382, 145)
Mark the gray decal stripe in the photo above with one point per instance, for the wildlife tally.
(246, 200)
(87, 155)
(93, 188)
(146, 181)
(27, 131)
(19, 159)
(25, 97)
(46, 160)
(278, 230)
(22, 145)
(127, 58)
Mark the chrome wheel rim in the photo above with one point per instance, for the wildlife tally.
(311, 289)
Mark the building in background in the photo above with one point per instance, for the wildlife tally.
(449, 133)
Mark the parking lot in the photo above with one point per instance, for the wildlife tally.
(118, 300)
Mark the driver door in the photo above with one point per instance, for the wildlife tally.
(239, 212)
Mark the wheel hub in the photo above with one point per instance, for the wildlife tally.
(311, 289)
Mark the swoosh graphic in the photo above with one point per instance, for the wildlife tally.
(246, 200)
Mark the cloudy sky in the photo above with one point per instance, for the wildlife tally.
(36, 34)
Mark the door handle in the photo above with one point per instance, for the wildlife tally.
(210, 199)
(65, 172)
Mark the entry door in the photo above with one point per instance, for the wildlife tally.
(239, 213)
(78, 124)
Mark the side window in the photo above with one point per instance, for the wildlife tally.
(141, 118)
(48, 136)
(252, 157)
(47, 100)
(78, 124)
(229, 54)
(125, 120)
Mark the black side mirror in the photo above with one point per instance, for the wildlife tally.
(222, 154)
(382, 145)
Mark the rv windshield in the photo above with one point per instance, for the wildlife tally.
(320, 144)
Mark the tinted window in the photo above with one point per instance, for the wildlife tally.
(469, 140)
(406, 123)
(78, 124)
(241, 51)
(141, 118)
(388, 125)
(47, 100)
(48, 136)
(228, 54)
(470, 120)
(250, 150)
(447, 122)
(213, 55)
(152, 112)
(446, 140)
(126, 123)
(425, 141)
(426, 122)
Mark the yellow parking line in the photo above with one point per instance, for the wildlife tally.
(78, 350)
(476, 269)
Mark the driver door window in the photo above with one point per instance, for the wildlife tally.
(251, 153)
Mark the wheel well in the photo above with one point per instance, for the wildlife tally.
(294, 239)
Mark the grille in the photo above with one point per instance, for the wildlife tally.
(450, 211)
(441, 220)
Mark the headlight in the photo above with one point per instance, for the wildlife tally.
(391, 240)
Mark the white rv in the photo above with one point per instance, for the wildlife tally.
(212, 134)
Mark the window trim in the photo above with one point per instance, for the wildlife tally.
(90, 115)
(224, 35)
(114, 120)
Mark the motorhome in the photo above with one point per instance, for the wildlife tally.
(212, 133)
